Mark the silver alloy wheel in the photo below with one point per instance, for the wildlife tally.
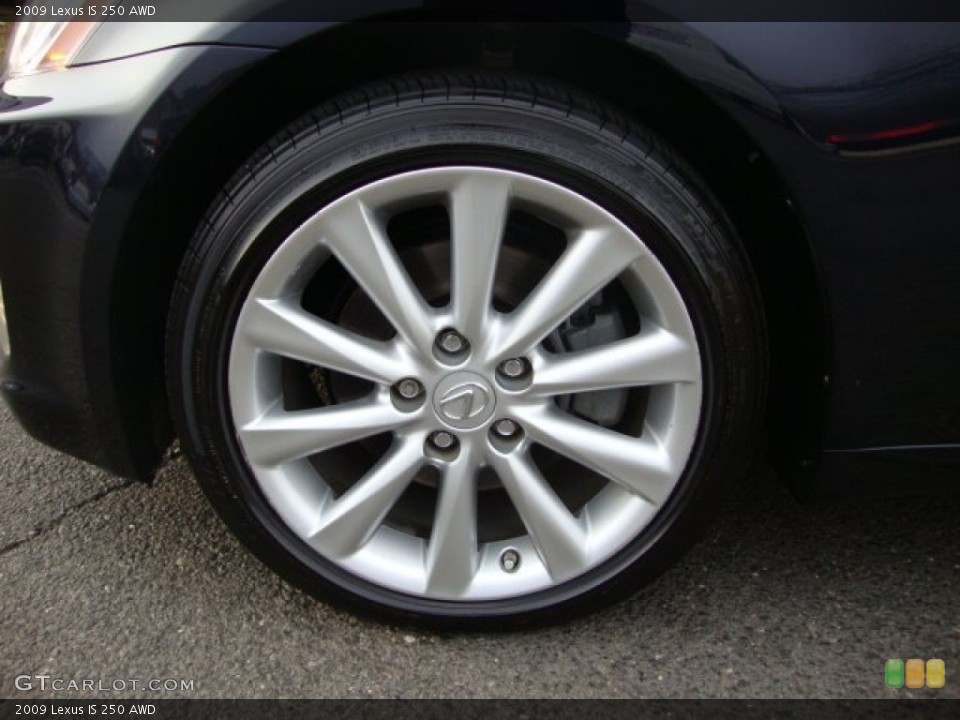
(465, 396)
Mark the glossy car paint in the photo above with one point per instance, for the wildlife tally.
(859, 121)
(75, 148)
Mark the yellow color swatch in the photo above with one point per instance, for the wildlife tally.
(936, 673)
(914, 673)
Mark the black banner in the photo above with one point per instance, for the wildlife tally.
(401, 10)
(486, 709)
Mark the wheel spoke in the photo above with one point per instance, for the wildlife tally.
(282, 327)
(642, 465)
(278, 436)
(559, 537)
(479, 208)
(346, 524)
(359, 241)
(655, 356)
(592, 260)
(452, 553)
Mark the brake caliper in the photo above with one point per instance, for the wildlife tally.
(597, 322)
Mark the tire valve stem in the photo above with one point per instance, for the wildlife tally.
(510, 560)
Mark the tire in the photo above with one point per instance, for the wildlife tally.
(429, 229)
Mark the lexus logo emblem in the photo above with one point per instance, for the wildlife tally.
(463, 402)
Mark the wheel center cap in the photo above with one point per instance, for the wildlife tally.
(464, 400)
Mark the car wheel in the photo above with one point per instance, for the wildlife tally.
(468, 349)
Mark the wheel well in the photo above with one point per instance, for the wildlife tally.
(747, 186)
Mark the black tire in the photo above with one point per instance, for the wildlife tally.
(520, 123)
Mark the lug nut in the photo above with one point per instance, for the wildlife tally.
(505, 428)
(452, 341)
(514, 367)
(510, 560)
(442, 440)
(409, 388)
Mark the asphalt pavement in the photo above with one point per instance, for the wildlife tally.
(102, 579)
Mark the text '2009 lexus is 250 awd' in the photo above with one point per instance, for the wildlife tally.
(475, 322)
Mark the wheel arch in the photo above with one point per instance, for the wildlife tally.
(719, 149)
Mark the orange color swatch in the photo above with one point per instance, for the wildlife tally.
(914, 673)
